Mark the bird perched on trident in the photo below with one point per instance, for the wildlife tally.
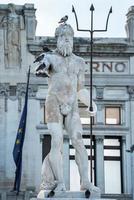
(63, 19)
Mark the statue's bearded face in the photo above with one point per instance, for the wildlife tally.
(65, 44)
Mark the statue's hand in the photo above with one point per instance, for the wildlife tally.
(92, 113)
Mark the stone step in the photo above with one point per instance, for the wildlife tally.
(54, 198)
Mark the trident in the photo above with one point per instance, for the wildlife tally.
(91, 71)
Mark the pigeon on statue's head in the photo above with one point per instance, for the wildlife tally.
(63, 19)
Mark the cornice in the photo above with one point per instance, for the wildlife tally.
(115, 47)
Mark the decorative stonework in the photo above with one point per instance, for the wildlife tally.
(21, 90)
(32, 91)
(99, 92)
(4, 89)
(99, 139)
(130, 90)
(4, 92)
(11, 24)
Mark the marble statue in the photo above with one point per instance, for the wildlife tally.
(65, 87)
(11, 24)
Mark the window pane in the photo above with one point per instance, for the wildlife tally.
(86, 141)
(112, 115)
(112, 177)
(110, 152)
(74, 175)
(112, 165)
(85, 120)
(111, 142)
(84, 115)
(72, 152)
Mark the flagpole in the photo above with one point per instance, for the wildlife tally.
(18, 146)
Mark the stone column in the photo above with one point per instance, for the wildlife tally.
(100, 106)
(66, 162)
(100, 114)
(124, 169)
(4, 92)
(100, 179)
(131, 95)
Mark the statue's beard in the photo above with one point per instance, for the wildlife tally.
(64, 48)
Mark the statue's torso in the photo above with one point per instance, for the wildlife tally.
(63, 79)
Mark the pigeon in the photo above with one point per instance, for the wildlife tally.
(44, 74)
(39, 58)
(46, 49)
(63, 19)
(41, 72)
(41, 67)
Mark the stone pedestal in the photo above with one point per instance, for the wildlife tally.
(67, 195)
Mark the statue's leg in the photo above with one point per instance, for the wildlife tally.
(55, 155)
(47, 176)
(54, 123)
(75, 131)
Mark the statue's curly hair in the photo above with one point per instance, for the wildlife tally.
(61, 29)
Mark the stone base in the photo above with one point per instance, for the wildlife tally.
(70, 195)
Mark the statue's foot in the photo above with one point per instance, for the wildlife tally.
(89, 186)
(60, 187)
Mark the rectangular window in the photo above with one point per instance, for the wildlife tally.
(12, 90)
(113, 165)
(112, 115)
(84, 115)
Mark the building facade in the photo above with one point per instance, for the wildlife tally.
(113, 92)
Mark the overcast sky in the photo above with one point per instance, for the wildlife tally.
(49, 13)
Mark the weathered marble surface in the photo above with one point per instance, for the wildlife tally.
(66, 73)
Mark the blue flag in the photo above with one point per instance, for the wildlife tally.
(18, 146)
